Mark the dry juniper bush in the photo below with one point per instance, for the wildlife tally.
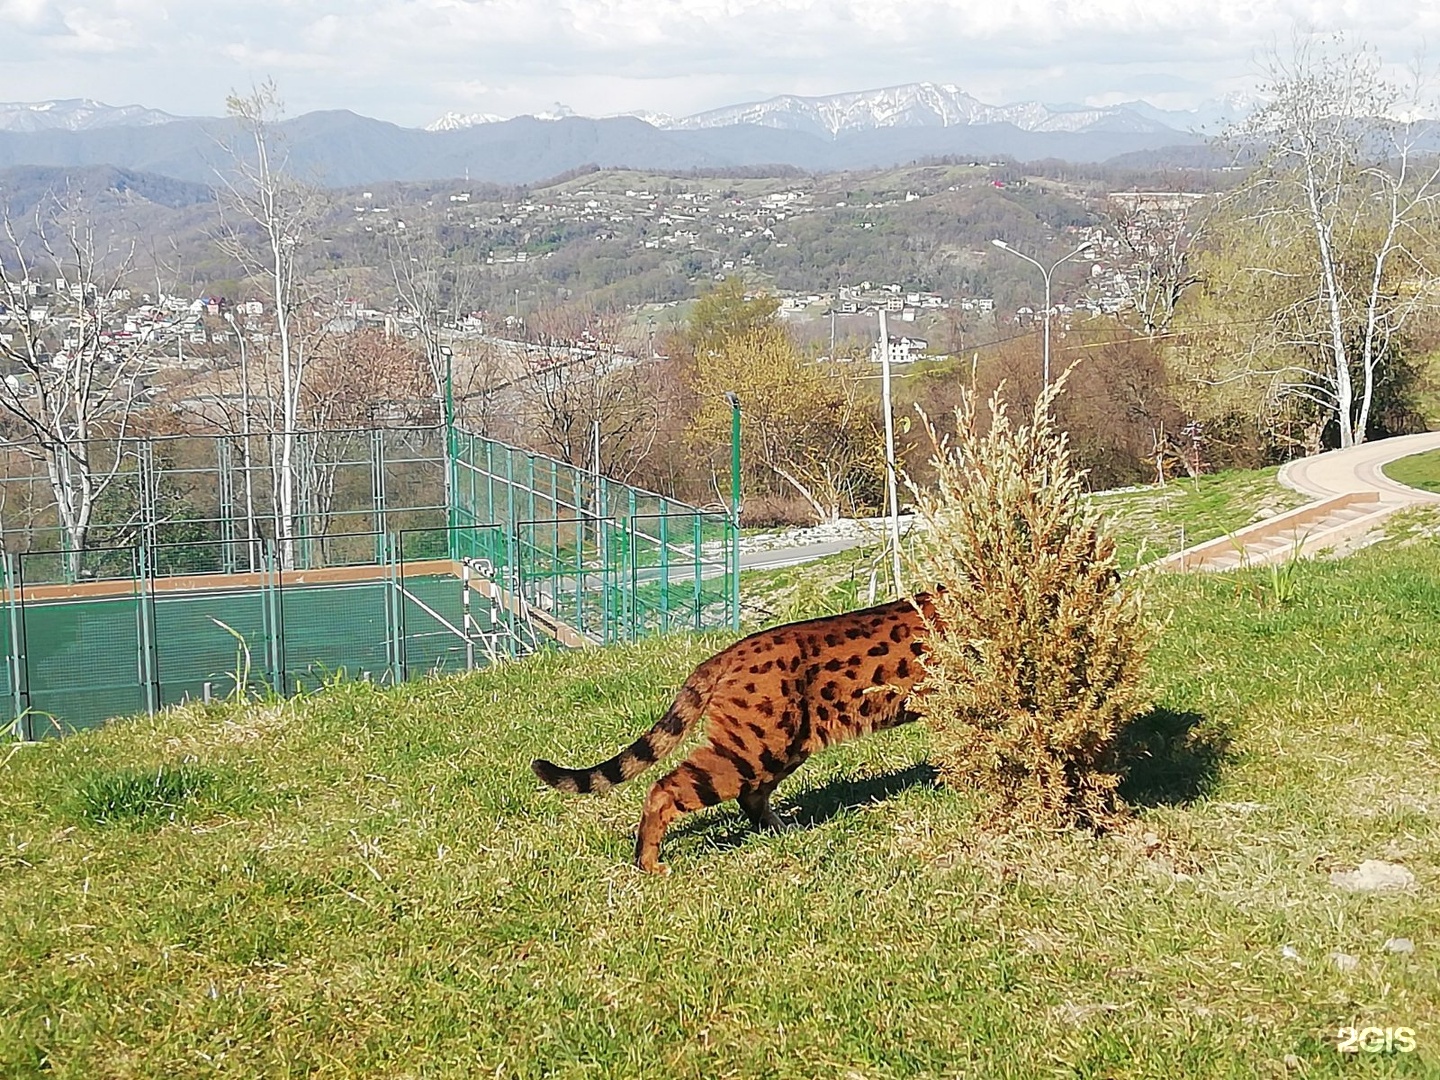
(1029, 686)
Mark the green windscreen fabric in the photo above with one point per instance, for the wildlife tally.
(84, 663)
(334, 630)
(218, 638)
(387, 524)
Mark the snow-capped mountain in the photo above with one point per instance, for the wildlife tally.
(913, 105)
(454, 121)
(654, 119)
(76, 114)
(840, 131)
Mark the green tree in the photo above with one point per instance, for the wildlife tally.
(727, 313)
(807, 428)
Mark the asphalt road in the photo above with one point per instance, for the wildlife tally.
(772, 558)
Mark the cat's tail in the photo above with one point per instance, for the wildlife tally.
(649, 748)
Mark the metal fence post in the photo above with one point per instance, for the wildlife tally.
(732, 531)
(229, 560)
(377, 489)
(18, 680)
(664, 566)
(274, 634)
(632, 566)
(149, 673)
(394, 635)
(699, 521)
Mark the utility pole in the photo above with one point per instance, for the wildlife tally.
(891, 486)
(734, 401)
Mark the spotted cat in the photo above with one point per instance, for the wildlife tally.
(772, 700)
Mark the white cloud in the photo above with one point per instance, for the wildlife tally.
(408, 60)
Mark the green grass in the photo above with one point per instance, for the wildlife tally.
(369, 882)
(1148, 523)
(141, 797)
(1418, 471)
(1155, 521)
(1427, 392)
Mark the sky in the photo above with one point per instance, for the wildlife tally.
(409, 61)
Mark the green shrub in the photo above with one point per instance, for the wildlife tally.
(1037, 665)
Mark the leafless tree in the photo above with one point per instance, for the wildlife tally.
(432, 290)
(268, 218)
(1342, 206)
(589, 390)
(1160, 235)
(68, 383)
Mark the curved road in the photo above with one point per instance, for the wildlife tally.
(1357, 469)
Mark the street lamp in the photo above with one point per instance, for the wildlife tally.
(1086, 246)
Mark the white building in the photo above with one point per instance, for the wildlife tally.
(903, 350)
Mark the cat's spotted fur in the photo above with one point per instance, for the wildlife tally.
(772, 700)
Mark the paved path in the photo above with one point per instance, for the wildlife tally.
(773, 558)
(1336, 472)
(1340, 472)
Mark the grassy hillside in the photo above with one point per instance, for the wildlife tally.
(1418, 470)
(1148, 523)
(1154, 521)
(370, 883)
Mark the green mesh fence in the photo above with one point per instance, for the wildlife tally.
(461, 559)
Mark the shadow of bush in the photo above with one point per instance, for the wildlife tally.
(1170, 758)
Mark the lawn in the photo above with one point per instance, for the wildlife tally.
(1418, 471)
(1151, 522)
(1148, 522)
(369, 882)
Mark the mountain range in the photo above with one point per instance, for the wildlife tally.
(866, 129)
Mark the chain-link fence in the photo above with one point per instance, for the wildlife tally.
(404, 558)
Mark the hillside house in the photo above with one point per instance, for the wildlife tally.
(903, 350)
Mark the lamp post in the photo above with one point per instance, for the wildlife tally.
(1003, 246)
(890, 484)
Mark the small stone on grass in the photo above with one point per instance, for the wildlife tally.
(1373, 875)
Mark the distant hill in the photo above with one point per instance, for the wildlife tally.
(26, 185)
(341, 148)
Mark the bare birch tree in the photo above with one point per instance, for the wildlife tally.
(268, 218)
(69, 384)
(1339, 206)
